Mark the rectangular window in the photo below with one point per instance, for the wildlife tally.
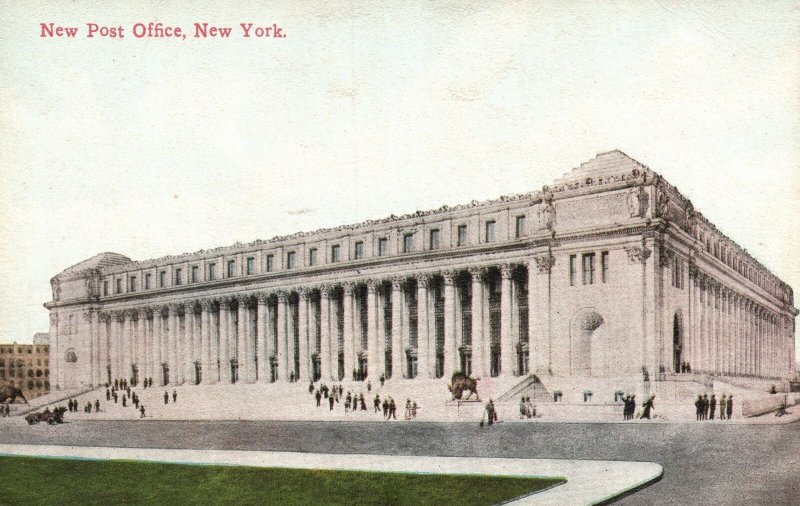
(434, 238)
(148, 281)
(212, 272)
(490, 231)
(178, 276)
(312, 256)
(231, 268)
(520, 228)
(132, 283)
(118, 288)
(250, 266)
(383, 244)
(588, 268)
(573, 269)
(162, 279)
(604, 265)
(408, 243)
(195, 273)
(462, 235)
(270, 263)
(105, 287)
(335, 253)
(359, 250)
(290, 259)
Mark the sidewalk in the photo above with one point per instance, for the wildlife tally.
(588, 481)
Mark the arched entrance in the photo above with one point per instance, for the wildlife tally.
(584, 323)
(677, 341)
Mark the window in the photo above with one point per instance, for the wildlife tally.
(383, 243)
(162, 279)
(408, 243)
(212, 272)
(490, 231)
(195, 273)
(231, 268)
(573, 269)
(604, 265)
(520, 227)
(148, 281)
(434, 238)
(588, 268)
(359, 250)
(270, 263)
(312, 256)
(118, 288)
(132, 283)
(677, 273)
(462, 235)
(250, 266)
(105, 287)
(178, 276)
(335, 253)
(290, 259)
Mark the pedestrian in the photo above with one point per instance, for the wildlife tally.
(632, 408)
(407, 415)
(141, 411)
(490, 415)
(174, 395)
(523, 408)
(376, 404)
(383, 380)
(729, 406)
(361, 401)
(392, 408)
(722, 403)
(96, 405)
(311, 387)
(414, 410)
(124, 401)
(712, 405)
(108, 394)
(318, 396)
(330, 401)
(698, 404)
(647, 407)
(705, 406)
(166, 397)
(369, 386)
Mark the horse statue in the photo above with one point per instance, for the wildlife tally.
(9, 394)
(461, 382)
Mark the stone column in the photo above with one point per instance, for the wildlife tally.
(349, 344)
(380, 310)
(450, 350)
(205, 345)
(302, 331)
(102, 350)
(325, 334)
(397, 328)
(261, 337)
(171, 342)
(113, 345)
(506, 343)
(225, 324)
(478, 369)
(188, 343)
(125, 345)
(372, 331)
(158, 376)
(290, 346)
(423, 348)
(243, 340)
(95, 346)
(283, 371)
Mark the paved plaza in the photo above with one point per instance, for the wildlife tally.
(703, 463)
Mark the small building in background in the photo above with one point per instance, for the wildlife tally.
(27, 366)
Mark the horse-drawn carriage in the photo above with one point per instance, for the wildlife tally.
(47, 416)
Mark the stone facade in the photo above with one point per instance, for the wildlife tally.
(26, 366)
(609, 272)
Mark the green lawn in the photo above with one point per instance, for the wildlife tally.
(48, 481)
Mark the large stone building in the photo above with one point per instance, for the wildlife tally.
(608, 273)
(26, 366)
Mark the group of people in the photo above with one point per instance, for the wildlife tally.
(526, 408)
(353, 401)
(706, 408)
(72, 406)
(629, 407)
(686, 367)
(5, 410)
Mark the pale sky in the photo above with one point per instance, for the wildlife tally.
(150, 147)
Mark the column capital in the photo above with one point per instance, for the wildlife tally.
(423, 280)
(283, 296)
(665, 256)
(544, 263)
(372, 286)
(477, 273)
(262, 297)
(243, 298)
(188, 306)
(205, 304)
(102, 316)
(324, 291)
(224, 304)
(128, 314)
(505, 271)
(348, 287)
(637, 254)
(114, 315)
(398, 282)
(173, 309)
(143, 311)
(87, 316)
(449, 277)
(303, 293)
(693, 271)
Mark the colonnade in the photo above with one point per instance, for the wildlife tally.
(732, 334)
(427, 325)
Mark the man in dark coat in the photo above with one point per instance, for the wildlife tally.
(97, 405)
(729, 406)
(647, 406)
(330, 402)
(166, 397)
(705, 406)
(318, 396)
(712, 405)
(698, 404)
